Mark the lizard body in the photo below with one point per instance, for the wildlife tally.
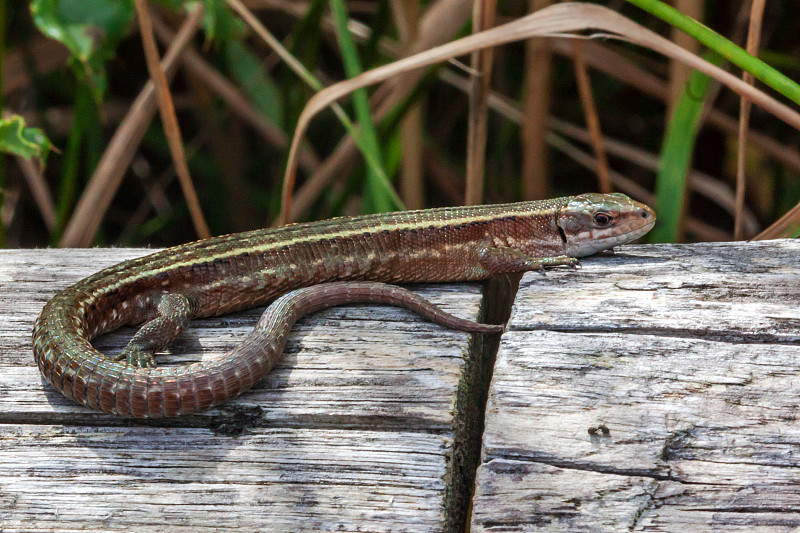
(306, 267)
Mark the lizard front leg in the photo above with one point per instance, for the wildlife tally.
(502, 259)
(173, 313)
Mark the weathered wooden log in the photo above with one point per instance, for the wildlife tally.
(654, 390)
(361, 426)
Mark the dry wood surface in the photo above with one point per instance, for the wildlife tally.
(656, 389)
(652, 390)
(358, 428)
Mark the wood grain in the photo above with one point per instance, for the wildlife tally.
(653, 390)
(361, 426)
(69, 478)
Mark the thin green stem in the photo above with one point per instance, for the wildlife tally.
(372, 162)
(380, 194)
(676, 156)
(719, 44)
(83, 110)
(2, 159)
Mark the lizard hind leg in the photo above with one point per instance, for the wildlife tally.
(174, 310)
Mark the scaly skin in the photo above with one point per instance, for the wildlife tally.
(337, 261)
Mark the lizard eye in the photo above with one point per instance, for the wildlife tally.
(602, 219)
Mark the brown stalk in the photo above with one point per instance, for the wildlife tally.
(273, 43)
(712, 188)
(753, 40)
(412, 175)
(679, 72)
(618, 66)
(105, 181)
(39, 190)
(238, 102)
(590, 112)
(8, 210)
(538, 63)
(483, 12)
(781, 226)
(626, 185)
(169, 119)
(406, 15)
(558, 19)
(441, 21)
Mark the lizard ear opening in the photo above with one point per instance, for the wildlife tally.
(561, 233)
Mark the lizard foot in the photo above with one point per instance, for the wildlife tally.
(136, 357)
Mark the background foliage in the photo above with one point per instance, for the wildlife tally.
(73, 70)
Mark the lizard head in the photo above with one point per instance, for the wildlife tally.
(593, 222)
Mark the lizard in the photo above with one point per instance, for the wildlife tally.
(300, 268)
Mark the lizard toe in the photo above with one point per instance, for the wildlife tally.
(137, 358)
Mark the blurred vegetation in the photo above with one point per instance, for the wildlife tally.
(73, 69)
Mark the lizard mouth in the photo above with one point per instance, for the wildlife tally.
(597, 241)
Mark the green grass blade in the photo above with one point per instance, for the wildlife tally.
(723, 47)
(370, 156)
(676, 157)
(379, 196)
(71, 168)
(254, 80)
(2, 106)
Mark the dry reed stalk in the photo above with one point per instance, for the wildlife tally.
(39, 190)
(169, 119)
(412, 174)
(233, 96)
(538, 66)
(105, 181)
(483, 13)
(590, 112)
(679, 72)
(559, 19)
(753, 40)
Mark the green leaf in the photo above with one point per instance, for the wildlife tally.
(723, 47)
(15, 138)
(220, 23)
(90, 29)
(262, 91)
